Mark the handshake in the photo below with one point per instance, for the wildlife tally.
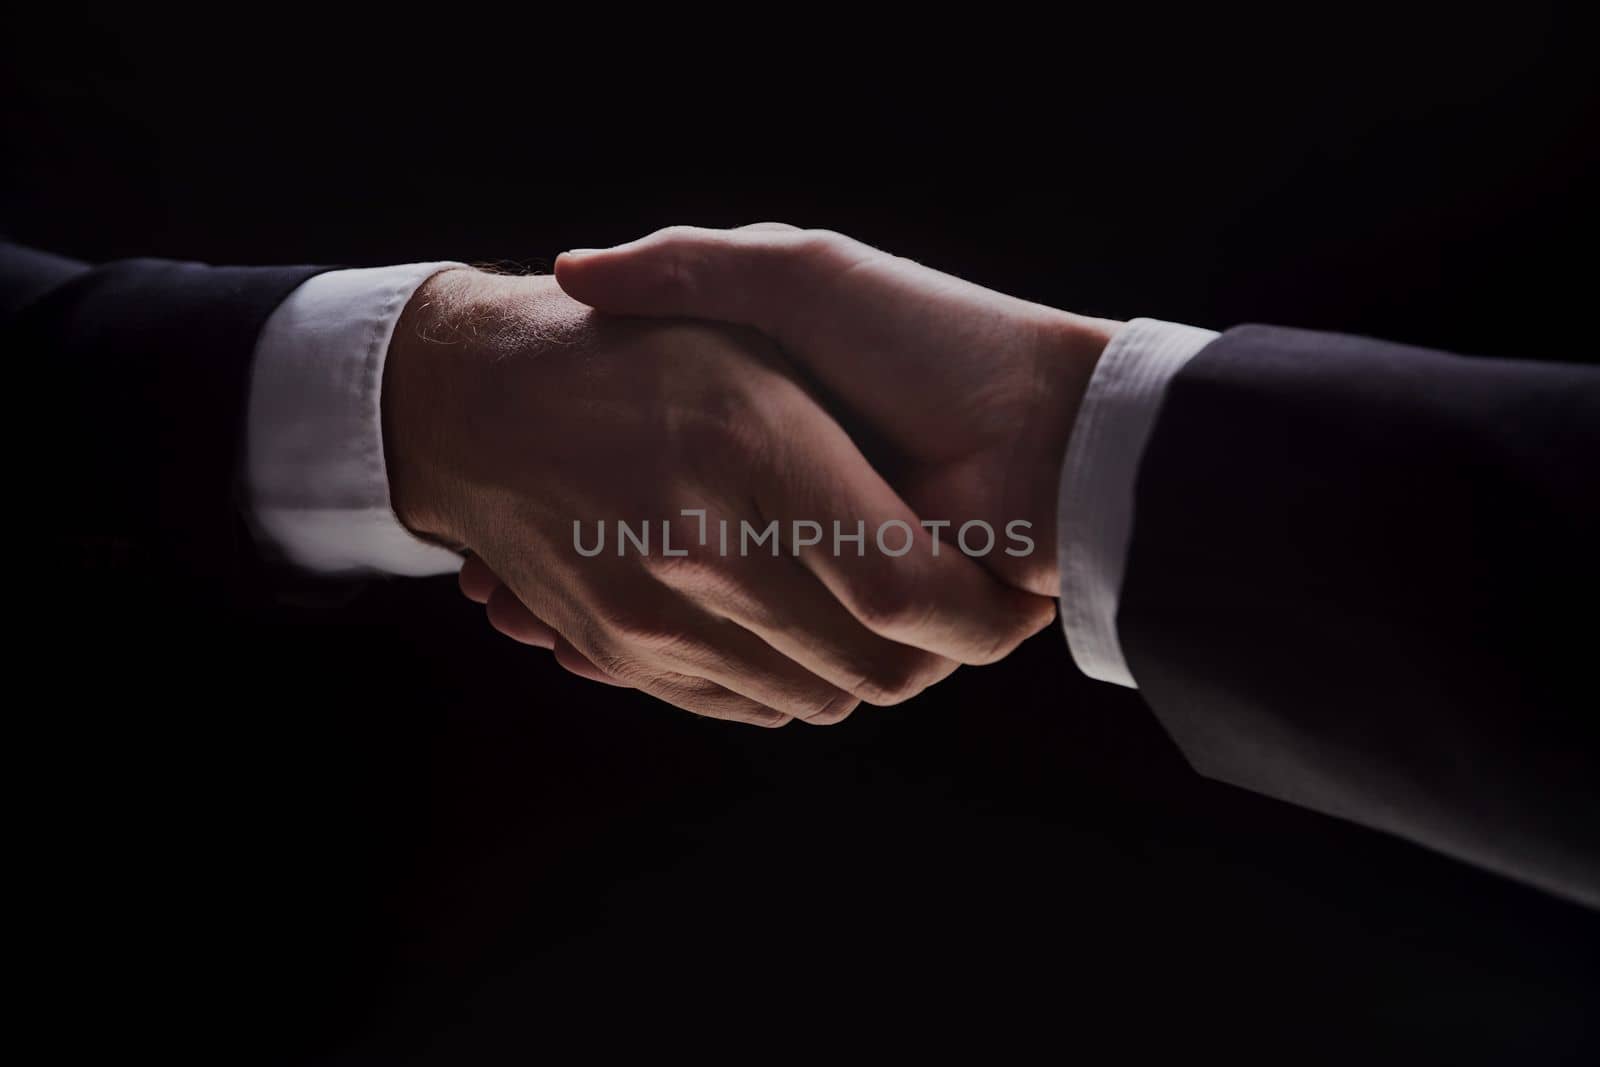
(762, 474)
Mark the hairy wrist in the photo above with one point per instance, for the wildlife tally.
(433, 343)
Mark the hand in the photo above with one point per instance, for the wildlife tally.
(974, 392)
(515, 417)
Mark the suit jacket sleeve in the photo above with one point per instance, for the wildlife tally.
(138, 373)
(1362, 578)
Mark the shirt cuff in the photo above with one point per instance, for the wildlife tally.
(318, 484)
(1098, 477)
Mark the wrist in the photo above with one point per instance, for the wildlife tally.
(421, 391)
(1076, 343)
(1071, 347)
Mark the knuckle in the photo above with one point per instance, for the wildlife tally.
(897, 673)
(787, 249)
(820, 242)
(711, 582)
(616, 662)
(707, 659)
(833, 253)
(832, 711)
(678, 233)
(696, 568)
(1041, 615)
(664, 643)
(714, 702)
(707, 699)
(994, 646)
(895, 683)
(888, 603)
(634, 630)
(701, 705)
(690, 571)
(695, 694)
(993, 651)
(1018, 627)
(675, 276)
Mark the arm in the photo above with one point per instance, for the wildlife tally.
(390, 412)
(1359, 581)
(1353, 565)
(145, 367)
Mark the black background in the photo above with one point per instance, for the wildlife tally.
(375, 830)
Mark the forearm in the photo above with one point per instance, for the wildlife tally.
(1351, 584)
(147, 363)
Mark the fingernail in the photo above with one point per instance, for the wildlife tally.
(582, 251)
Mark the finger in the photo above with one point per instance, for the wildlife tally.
(700, 696)
(760, 276)
(784, 604)
(721, 651)
(786, 607)
(706, 699)
(477, 581)
(575, 662)
(667, 632)
(508, 615)
(646, 642)
(804, 621)
(895, 580)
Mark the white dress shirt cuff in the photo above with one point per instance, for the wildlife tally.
(318, 484)
(1098, 479)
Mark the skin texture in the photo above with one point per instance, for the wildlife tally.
(972, 392)
(511, 410)
(968, 395)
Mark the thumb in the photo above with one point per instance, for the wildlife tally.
(758, 276)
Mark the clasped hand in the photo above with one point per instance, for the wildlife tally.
(686, 397)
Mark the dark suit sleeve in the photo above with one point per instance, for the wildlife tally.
(137, 373)
(1363, 579)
